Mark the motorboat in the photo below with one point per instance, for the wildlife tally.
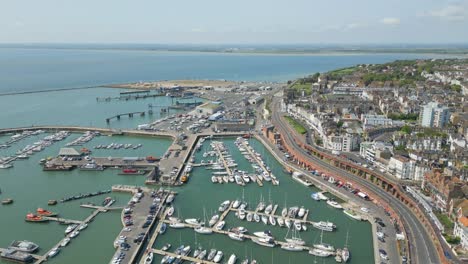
(263, 234)
(236, 204)
(213, 220)
(249, 216)
(266, 242)
(74, 234)
(325, 226)
(65, 242)
(218, 256)
(265, 219)
(166, 247)
(224, 206)
(284, 212)
(280, 221)
(53, 252)
(334, 204)
(239, 229)
(70, 228)
(268, 209)
(256, 218)
(236, 236)
(352, 214)
(193, 221)
(301, 212)
(241, 214)
(163, 228)
(220, 225)
(232, 259)
(203, 230)
(176, 225)
(212, 254)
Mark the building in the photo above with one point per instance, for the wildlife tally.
(369, 121)
(443, 189)
(401, 167)
(234, 126)
(373, 150)
(256, 100)
(461, 224)
(434, 115)
(209, 108)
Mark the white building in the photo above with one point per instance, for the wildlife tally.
(375, 120)
(434, 115)
(461, 230)
(401, 167)
(370, 150)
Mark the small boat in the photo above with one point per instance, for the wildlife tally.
(236, 204)
(53, 252)
(35, 218)
(284, 212)
(170, 211)
(320, 253)
(212, 254)
(292, 247)
(220, 225)
(232, 259)
(149, 258)
(163, 228)
(236, 236)
(352, 214)
(44, 212)
(74, 234)
(268, 209)
(266, 242)
(334, 204)
(249, 216)
(280, 221)
(325, 226)
(65, 242)
(214, 179)
(239, 229)
(82, 226)
(265, 219)
(297, 225)
(304, 227)
(288, 223)
(315, 196)
(177, 225)
(241, 214)
(7, 201)
(192, 221)
(218, 257)
(213, 220)
(202, 254)
(272, 220)
(263, 234)
(70, 228)
(166, 247)
(345, 254)
(52, 202)
(301, 212)
(256, 218)
(224, 206)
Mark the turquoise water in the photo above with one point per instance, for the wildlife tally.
(40, 69)
(200, 194)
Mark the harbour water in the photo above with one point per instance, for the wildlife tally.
(30, 187)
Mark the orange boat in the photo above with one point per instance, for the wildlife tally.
(151, 159)
(34, 218)
(44, 212)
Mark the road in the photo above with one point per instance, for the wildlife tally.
(421, 248)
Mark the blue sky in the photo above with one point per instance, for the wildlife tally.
(240, 21)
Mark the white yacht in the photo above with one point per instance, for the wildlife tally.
(232, 259)
(53, 252)
(218, 256)
(65, 242)
(220, 225)
(325, 226)
(334, 204)
(320, 253)
(203, 230)
(292, 247)
(236, 236)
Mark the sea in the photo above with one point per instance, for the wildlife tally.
(34, 69)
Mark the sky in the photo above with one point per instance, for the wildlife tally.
(240, 21)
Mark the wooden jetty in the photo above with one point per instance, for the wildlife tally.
(187, 258)
(63, 220)
(130, 115)
(259, 162)
(100, 208)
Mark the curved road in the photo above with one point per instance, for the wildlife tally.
(421, 248)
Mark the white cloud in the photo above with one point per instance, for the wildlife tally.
(450, 12)
(391, 21)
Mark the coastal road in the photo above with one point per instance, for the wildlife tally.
(421, 247)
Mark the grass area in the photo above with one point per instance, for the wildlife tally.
(452, 239)
(296, 125)
(299, 87)
(446, 222)
(338, 74)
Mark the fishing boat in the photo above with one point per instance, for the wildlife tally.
(35, 218)
(324, 246)
(325, 226)
(334, 204)
(352, 214)
(43, 212)
(65, 242)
